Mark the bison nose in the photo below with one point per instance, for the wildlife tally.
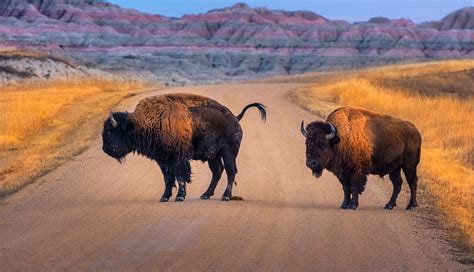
(107, 150)
(311, 163)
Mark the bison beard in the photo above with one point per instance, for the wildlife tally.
(353, 143)
(175, 128)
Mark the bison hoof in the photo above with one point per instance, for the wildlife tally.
(179, 199)
(205, 197)
(411, 206)
(225, 198)
(352, 207)
(164, 199)
(389, 206)
(344, 205)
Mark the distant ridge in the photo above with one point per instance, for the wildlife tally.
(460, 19)
(233, 42)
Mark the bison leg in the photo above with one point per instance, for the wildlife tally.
(355, 185)
(231, 171)
(182, 171)
(347, 195)
(354, 203)
(217, 168)
(169, 182)
(397, 186)
(412, 179)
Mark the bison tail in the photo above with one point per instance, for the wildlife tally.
(260, 107)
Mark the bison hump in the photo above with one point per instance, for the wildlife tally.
(166, 120)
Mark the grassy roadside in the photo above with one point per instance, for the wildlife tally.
(439, 99)
(42, 124)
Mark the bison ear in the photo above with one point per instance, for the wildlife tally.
(125, 124)
(331, 134)
(327, 128)
(123, 121)
(335, 140)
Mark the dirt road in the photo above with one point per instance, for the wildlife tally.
(95, 214)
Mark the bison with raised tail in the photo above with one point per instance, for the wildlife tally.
(173, 129)
(353, 143)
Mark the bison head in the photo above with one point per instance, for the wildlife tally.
(320, 140)
(116, 135)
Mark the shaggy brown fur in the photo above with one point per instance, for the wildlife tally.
(167, 117)
(356, 138)
(173, 129)
(365, 143)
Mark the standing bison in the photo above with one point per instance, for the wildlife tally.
(353, 143)
(172, 129)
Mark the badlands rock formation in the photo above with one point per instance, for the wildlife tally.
(231, 43)
(17, 65)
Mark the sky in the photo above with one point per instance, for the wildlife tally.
(351, 10)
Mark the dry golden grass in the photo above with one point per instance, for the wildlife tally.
(44, 123)
(444, 120)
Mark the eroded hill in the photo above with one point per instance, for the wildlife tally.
(231, 43)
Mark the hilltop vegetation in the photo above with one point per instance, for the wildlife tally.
(23, 65)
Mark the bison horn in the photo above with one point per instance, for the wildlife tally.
(332, 134)
(112, 120)
(303, 130)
